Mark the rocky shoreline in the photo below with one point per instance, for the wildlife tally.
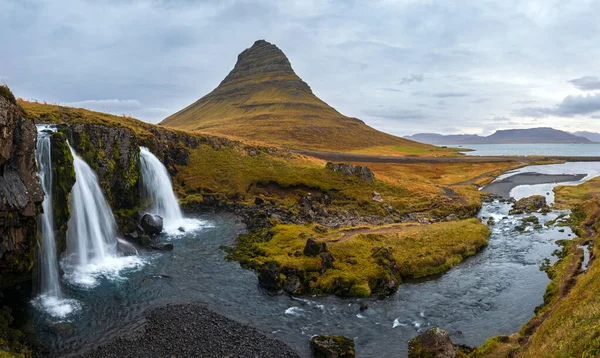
(192, 330)
(502, 188)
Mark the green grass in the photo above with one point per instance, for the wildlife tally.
(366, 260)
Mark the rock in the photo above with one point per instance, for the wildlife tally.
(314, 248)
(292, 285)
(377, 197)
(530, 205)
(451, 217)
(327, 259)
(434, 343)
(332, 347)
(259, 201)
(152, 224)
(320, 229)
(362, 172)
(268, 278)
(162, 247)
(181, 229)
(20, 191)
(363, 307)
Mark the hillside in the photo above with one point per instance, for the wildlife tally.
(508, 136)
(594, 137)
(263, 99)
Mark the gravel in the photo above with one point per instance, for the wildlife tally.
(192, 330)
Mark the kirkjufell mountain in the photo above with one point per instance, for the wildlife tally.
(263, 99)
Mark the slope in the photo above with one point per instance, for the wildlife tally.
(263, 99)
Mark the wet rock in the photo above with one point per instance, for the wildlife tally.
(162, 247)
(268, 278)
(314, 248)
(362, 172)
(63, 329)
(530, 205)
(363, 307)
(259, 201)
(292, 285)
(152, 224)
(434, 343)
(332, 347)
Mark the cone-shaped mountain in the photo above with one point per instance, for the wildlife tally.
(263, 99)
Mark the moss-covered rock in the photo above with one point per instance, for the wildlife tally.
(531, 204)
(332, 347)
(63, 175)
(435, 343)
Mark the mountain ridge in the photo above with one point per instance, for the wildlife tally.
(263, 99)
(506, 136)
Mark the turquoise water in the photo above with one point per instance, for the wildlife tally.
(588, 150)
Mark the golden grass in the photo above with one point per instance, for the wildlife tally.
(567, 197)
(418, 250)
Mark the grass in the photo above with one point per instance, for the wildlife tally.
(367, 260)
(567, 197)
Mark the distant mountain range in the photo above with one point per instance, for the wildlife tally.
(509, 136)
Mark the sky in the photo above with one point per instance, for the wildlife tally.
(403, 66)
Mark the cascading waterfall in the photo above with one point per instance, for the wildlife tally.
(92, 233)
(49, 278)
(157, 190)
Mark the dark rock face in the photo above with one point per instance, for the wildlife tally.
(530, 205)
(20, 191)
(268, 278)
(435, 343)
(314, 248)
(332, 347)
(152, 224)
(362, 172)
(63, 179)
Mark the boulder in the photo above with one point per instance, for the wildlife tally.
(362, 172)
(377, 197)
(259, 201)
(162, 247)
(332, 347)
(314, 248)
(327, 259)
(152, 224)
(292, 285)
(268, 278)
(434, 343)
(529, 205)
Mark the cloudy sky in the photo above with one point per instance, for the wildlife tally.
(402, 66)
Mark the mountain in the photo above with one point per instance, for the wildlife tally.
(433, 138)
(263, 99)
(508, 136)
(594, 137)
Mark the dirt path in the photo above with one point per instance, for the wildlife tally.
(346, 157)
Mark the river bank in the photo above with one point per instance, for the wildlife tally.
(192, 330)
(503, 187)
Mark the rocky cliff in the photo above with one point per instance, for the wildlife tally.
(20, 191)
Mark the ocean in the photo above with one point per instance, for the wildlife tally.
(588, 150)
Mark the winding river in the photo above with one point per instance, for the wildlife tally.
(494, 292)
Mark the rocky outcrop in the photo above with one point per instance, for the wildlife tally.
(20, 191)
(63, 175)
(435, 343)
(529, 205)
(360, 171)
(332, 347)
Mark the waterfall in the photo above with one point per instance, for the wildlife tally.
(92, 241)
(157, 190)
(49, 278)
(92, 233)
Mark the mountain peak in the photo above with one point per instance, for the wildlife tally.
(263, 99)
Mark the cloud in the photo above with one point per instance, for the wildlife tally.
(115, 106)
(395, 113)
(569, 107)
(450, 94)
(412, 78)
(586, 83)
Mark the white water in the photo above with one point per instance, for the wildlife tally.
(92, 233)
(157, 190)
(51, 298)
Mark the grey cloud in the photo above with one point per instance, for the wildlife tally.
(450, 94)
(412, 78)
(481, 100)
(107, 105)
(586, 83)
(569, 107)
(393, 113)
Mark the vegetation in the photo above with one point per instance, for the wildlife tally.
(368, 260)
(5, 92)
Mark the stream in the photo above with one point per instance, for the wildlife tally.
(494, 292)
